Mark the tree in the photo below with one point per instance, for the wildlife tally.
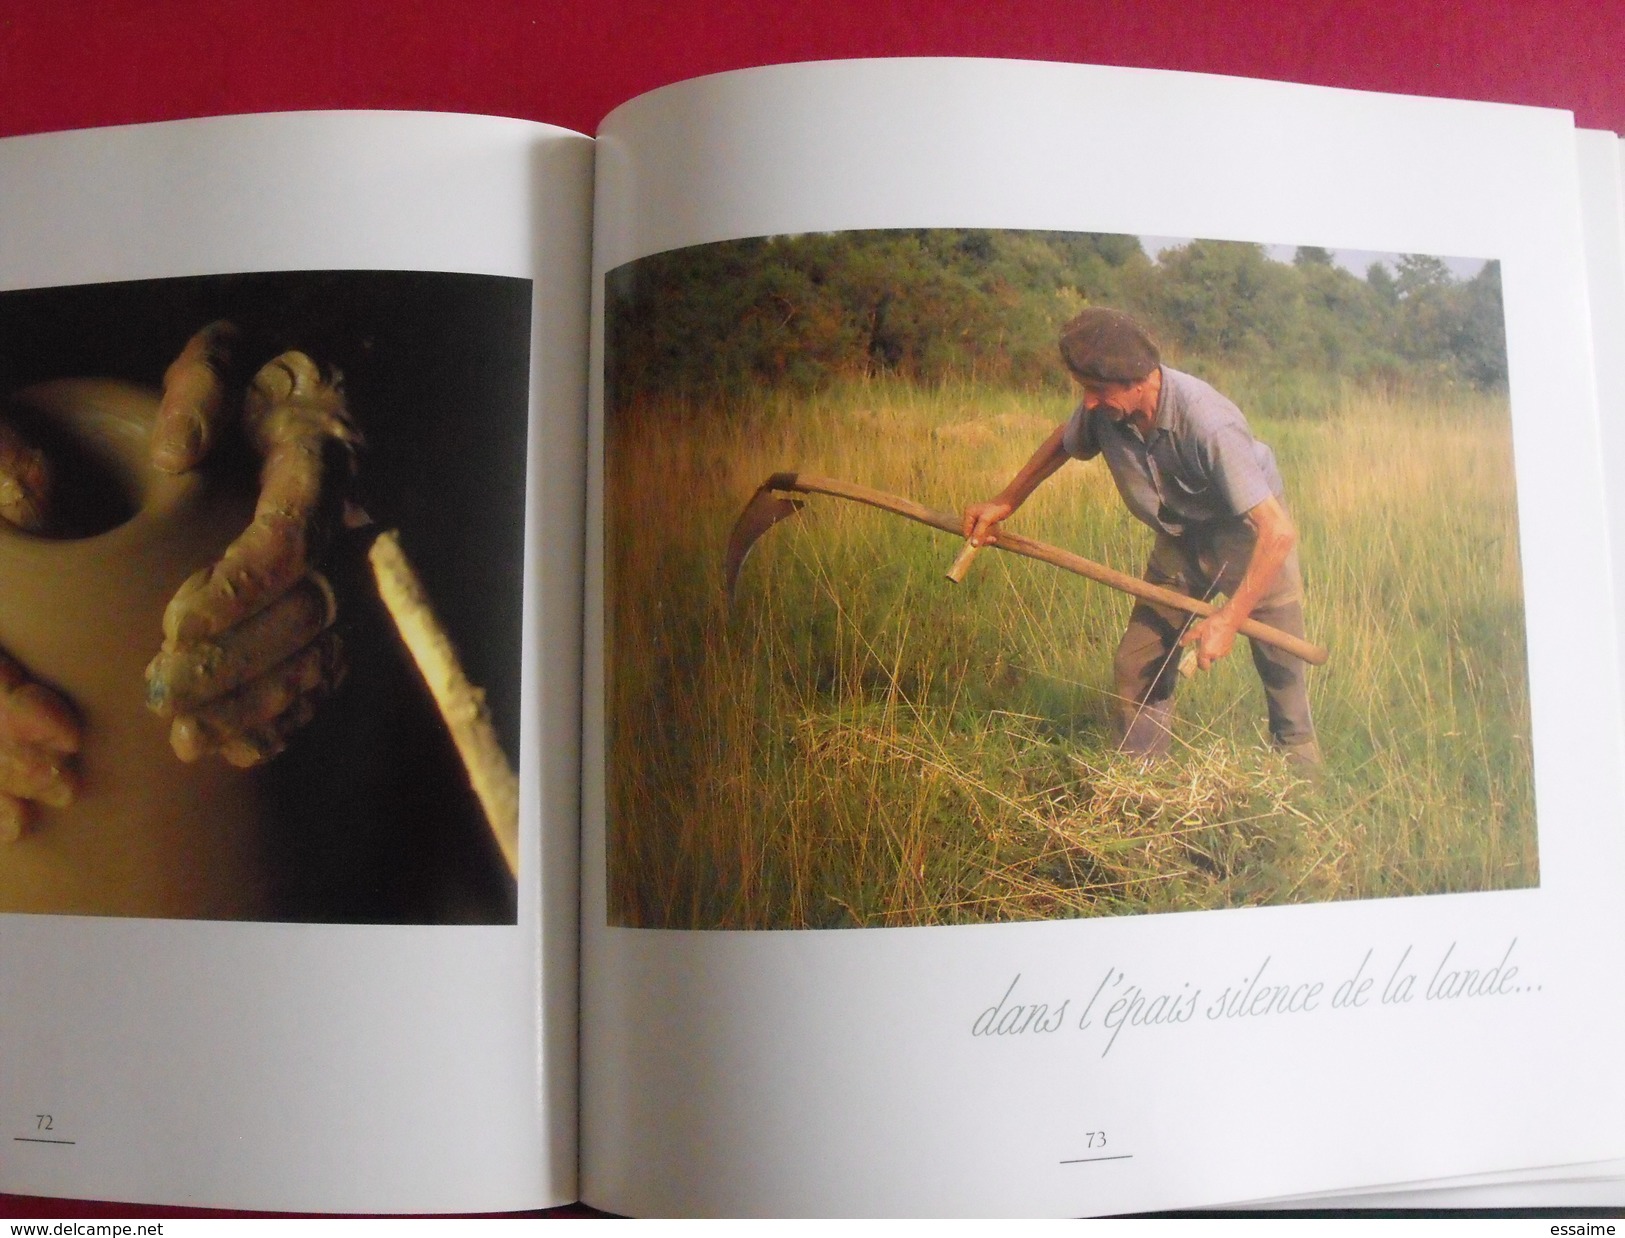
(927, 305)
(1381, 281)
(1227, 298)
(1418, 273)
(1480, 340)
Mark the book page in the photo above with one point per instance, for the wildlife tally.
(1599, 1185)
(1030, 954)
(1604, 205)
(339, 979)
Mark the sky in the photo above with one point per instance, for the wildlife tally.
(1356, 260)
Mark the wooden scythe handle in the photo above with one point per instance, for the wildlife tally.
(961, 564)
(804, 483)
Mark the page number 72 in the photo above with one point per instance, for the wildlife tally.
(44, 1122)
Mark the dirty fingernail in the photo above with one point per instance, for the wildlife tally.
(60, 789)
(157, 688)
(188, 738)
(247, 752)
(180, 446)
(13, 819)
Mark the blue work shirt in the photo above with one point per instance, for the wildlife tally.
(1200, 462)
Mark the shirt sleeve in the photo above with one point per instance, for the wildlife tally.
(1078, 439)
(1231, 458)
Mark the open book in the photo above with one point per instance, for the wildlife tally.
(832, 893)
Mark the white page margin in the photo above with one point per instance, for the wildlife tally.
(1600, 1184)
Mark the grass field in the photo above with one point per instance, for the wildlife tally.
(858, 742)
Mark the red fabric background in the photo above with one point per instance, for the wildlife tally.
(72, 63)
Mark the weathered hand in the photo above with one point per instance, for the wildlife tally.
(981, 521)
(1213, 637)
(248, 647)
(25, 481)
(39, 731)
(39, 735)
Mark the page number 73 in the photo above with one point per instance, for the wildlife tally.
(1097, 1139)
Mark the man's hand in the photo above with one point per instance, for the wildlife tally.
(25, 482)
(39, 734)
(1213, 637)
(1274, 537)
(248, 648)
(982, 520)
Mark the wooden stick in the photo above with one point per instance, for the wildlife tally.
(962, 561)
(805, 483)
(461, 704)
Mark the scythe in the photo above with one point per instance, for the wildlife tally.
(771, 504)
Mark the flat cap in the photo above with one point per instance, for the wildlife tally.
(1107, 346)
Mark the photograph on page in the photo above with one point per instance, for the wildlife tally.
(1269, 648)
(250, 527)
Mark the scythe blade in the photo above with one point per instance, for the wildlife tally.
(765, 509)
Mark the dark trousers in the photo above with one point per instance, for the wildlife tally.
(1204, 562)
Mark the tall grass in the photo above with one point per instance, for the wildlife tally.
(858, 742)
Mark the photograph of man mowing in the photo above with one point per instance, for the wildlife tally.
(1186, 464)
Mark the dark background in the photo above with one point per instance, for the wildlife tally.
(375, 821)
(568, 62)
